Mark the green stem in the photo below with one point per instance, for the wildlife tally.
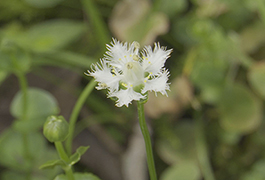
(97, 22)
(79, 104)
(25, 138)
(24, 88)
(202, 152)
(64, 156)
(147, 139)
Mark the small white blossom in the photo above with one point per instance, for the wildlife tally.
(128, 74)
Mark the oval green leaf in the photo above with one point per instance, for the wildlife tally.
(51, 35)
(240, 110)
(40, 104)
(184, 171)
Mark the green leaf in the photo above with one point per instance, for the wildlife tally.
(12, 150)
(53, 163)
(79, 176)
(256, 77)
(184, 171)
(179, 144)
(14, 60)
(43, 3)
(10, 175)
(174, 7)
(51, 35)
(69, 58)
(240, 110)
(28, 126)
(77, 155)
(252, 37)
(40, 104)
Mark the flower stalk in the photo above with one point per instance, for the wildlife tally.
(63, 155)
(147, 140)
(79, 104)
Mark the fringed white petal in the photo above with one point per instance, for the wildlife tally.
(158, 84)
(102, 74)
(154, 60)
(119, 54)
(125, 97)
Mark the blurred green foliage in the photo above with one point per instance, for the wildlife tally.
(218, 50)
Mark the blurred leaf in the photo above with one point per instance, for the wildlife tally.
(12, 150)
(14, 59)
(79, 176)
(252, 37)
(134, 21)
(28, 126)
(17, 10)
(40, 104)
(53, 163)
(256, 172)
(51, 35)
(240, 110)
(174, 7)
(179, 96)
(256, 77)
(12, 155)
(10, 175)
(66, 57)
(207, 72)
(77, 155)
(180, 146)
(210, 8)
(43, 3)
(236, 16)
(184, 171)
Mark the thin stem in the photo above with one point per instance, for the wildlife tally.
(79, 104)
(64, 156)
(25, 138)
(97, 22)
(202, 152)
(24, 88)
(147, 139)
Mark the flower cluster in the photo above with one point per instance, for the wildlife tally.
(128, 73)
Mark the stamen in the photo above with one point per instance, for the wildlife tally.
(135, 57)
(124, 84)
(136, 45)
(103, 85)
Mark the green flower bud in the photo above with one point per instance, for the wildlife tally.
(56, 128)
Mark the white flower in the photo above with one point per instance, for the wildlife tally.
(128, 74)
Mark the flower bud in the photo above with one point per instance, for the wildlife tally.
(56, 128)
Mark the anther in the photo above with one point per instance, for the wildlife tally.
(135, 57)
